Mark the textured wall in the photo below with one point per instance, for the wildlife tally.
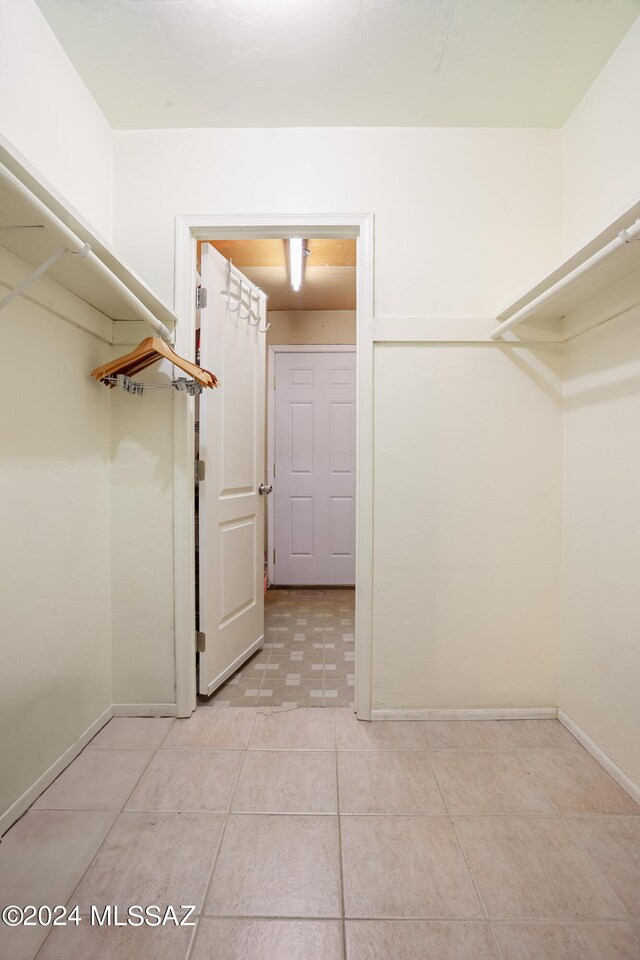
(464, 219)
(601, 147)
(600, 660)
(48, 114)
(55, 576)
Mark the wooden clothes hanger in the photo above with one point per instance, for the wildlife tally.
(150, 351)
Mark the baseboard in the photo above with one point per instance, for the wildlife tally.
(471, 713)
(621, 778)
(22, 804)
(144, 710)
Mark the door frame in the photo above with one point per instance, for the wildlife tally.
(188, 230)
(272, 350)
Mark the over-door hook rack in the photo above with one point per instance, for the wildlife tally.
(253, 292)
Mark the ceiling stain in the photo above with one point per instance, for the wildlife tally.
(323, 63)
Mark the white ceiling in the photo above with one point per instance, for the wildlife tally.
(253, 63)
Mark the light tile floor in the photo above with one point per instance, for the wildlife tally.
(308, 656)
(303, 834)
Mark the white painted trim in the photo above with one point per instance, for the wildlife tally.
(448, 330)
(471, 713)
(144, 709)
(633, 789)
(575, 261)
(278, 226)
(271, 412)
(184, 553)
(63, 219)
(49, 295)
(313, 347)
(129, 331)
(22, 804)
(237, 663)
(364, 470)
(189, 229)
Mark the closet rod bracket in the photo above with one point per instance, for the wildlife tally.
(33, 276)
(86, 249)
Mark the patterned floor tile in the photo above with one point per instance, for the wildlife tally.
(308, 656)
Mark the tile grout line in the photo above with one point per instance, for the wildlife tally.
(463, 855)
(629, 918)
(118, 812)
(324, 679)
(192, 938)
(265, 671)
(313, 608)
(275, 657)
(549, 816)
(207, 886)
(427, 918)
(461, 849)
(370, 816)
(492, 936)
(564, 817)
(343, 925)
(500, 921)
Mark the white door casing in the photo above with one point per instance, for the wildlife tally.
(231, 520)
(189, 229)
(312, 464)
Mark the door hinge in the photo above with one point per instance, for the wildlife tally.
(274, 383)
(274, 469)
(274, 555)
(201, 297)
(201, 641)
(200, 470)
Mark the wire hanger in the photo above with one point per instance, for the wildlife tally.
(149, 351)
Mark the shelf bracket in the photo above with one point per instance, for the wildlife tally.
(32, 277)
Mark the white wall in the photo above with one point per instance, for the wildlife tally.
(464, 219)
(55, 550)
(311, 326)
(600, 660)
(142, 528)
(48, 114)
(467, 560)
(601, 147)
(600, 652)
(468, 474)
(55, 641)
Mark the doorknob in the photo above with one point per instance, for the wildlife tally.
(265, 488)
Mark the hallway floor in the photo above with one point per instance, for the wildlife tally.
(308, 656)
(305, 834)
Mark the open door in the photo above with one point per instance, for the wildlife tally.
(231, 518)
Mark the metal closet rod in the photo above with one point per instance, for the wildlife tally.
(624, 237)
(77, 247)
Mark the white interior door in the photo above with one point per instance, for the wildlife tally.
(231, 522)
(313, 524)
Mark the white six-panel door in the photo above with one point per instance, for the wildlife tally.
(231, 523)
(312, 528)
